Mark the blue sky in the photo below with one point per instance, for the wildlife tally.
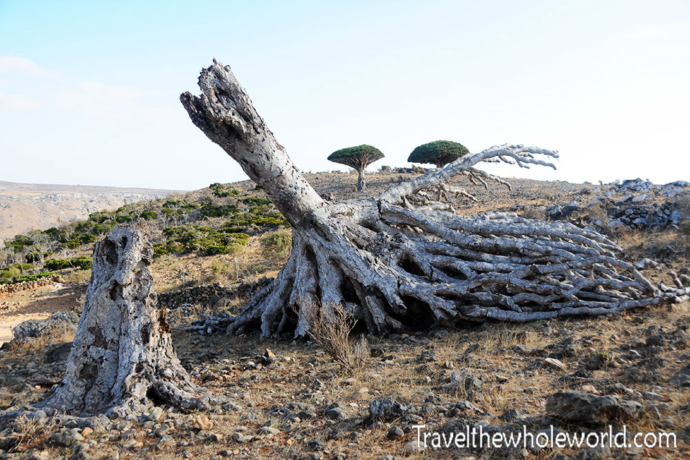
(89, 90)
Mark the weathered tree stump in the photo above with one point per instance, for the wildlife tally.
(123, 356)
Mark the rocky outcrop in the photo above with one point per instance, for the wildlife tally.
(59, 323)
(210, 294)
(644, 216)
(577, 407)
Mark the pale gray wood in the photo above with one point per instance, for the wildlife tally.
(123, 352)
(405, 257)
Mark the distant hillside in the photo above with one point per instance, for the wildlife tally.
(25, 207)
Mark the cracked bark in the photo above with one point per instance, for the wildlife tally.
(123, 358)
(405, 258)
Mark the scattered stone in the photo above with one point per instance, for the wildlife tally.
(316, 445)
(335, 412)
(386, 409)
(522, 350)
(202, 422)
(395, 433)
(555, 364)
(412, 448)
(513, 414)
(590, 389)
(268, 430)
(66, 437)
(241, 438)
(163, 442)
(580, 407)
(156, 414)
(268, 357)
(465, 380)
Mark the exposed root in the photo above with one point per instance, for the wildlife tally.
(400, 266)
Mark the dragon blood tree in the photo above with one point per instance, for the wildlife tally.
(404, 257)
(358, 158)
(438, 153)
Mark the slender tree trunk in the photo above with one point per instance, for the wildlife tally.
(361, 183)
(123, 356)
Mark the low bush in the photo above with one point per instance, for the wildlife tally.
(12, 275)
(222, 192)
(33, 257)
(83, 263)
(203, 240)
(211, 210)
(19, 243)
(252, 201)
(276, 244)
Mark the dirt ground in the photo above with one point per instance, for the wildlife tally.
(37, 304)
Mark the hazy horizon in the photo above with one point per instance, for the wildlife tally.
(89, 93)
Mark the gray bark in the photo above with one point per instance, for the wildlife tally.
(405, 258)
(123, 355)
(361, 183)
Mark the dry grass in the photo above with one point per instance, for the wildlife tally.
(598, 213)
(534, 212)
(32, 433)
(332, 332)
(77, 277)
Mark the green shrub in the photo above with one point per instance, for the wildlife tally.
(222, 192)
(148, 215)
(123, 218)
(252, 201)
(203, 240)
(56, 234)
(211, 210)
(17, 278)
(276, 244)
(19, 243)
(83, 263)
(9, 274)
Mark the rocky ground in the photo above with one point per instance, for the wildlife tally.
(288, 399)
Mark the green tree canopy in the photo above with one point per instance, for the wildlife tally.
(439, 153)
(358, 157)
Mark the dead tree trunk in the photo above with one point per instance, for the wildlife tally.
(123, 354)
(405, 257)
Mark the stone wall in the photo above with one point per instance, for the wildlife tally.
(8, 289)
(210, 294)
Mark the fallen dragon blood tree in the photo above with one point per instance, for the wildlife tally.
(404, 257)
